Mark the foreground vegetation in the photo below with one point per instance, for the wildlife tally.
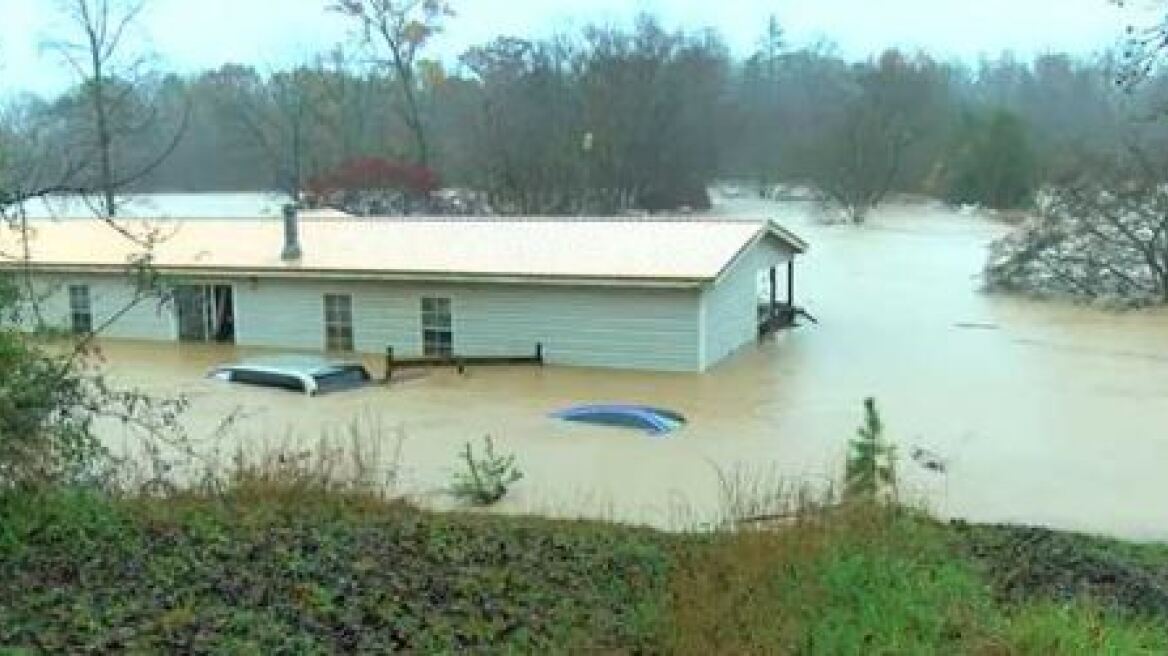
(265, 569)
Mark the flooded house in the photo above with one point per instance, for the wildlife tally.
(652, 294)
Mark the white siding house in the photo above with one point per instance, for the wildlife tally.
(109, 294)
(655, 295)
(730, 303)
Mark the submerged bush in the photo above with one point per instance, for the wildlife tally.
(1099, 235)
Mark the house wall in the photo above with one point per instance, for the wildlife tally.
(587, 326)
(654, 329)
(109, 295)
(729, 306)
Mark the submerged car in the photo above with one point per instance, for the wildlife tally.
(656, 421)
(308, 375)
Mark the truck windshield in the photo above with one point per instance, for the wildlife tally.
(340, 378)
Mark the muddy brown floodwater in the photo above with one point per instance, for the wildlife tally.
(1043, 412)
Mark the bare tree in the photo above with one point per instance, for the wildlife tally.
(1102, 234)
(396, 31)
(1144, 45)
(51, 398)
(857, 152)
(280, 115)
(526, 137)
(111, 87)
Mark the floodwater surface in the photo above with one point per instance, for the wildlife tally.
(1041, 412)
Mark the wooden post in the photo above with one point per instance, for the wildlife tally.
(539, 352)
(791, 282)
(388, 363)
(774, 291)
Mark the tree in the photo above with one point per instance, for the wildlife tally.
(1144, 48)
(760, 134)
(1100, 234)
(527, 136)
(871, 463)
(994, 165)
(857, 153)
(52, 396)
(400, 30)
(110, 86)
(650, 101)
(370, 184)
(597, 124)
(279, 115)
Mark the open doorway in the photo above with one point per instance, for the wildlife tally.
(206, 313)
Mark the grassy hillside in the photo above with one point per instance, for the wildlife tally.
(263, 573)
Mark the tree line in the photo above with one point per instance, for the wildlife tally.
(602, 119)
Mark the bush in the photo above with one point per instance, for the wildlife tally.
(45, 421)
(51, 397)
(1098, 235)
(195, 575)
(486, 479)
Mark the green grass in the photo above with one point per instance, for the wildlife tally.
(314, 572)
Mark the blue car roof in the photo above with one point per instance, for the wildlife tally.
(654, 420)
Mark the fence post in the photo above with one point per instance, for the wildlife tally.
(539, 352)
(388, 364)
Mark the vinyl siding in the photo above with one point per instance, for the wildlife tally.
(730, 305)
(652, 329)
(606, 327)
(147, 319)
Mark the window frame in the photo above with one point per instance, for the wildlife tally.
(339, 333)
(437, 323)
(80, 313)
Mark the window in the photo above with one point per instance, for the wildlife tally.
(338, 322)
(437, 328)
(267, 379)
(341, 378)
(80, 310)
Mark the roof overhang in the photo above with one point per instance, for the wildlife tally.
(221, 273)
(769, 230)
(796, 244)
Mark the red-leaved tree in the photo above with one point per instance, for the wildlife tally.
(375, 174)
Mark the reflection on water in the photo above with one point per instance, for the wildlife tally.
(1044, 413)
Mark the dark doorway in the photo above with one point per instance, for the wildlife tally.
(224, 319)
(206, 313)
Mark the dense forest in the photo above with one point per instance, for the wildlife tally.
(600, 119)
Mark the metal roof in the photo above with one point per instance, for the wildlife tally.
(630, 251)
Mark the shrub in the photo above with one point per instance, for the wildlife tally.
(45, 422)
(871, 464)
(486, 479)
(52, 395)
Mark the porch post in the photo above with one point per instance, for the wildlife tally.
(790, 282)
(774, 290)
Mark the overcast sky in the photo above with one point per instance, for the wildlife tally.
(188, 35)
